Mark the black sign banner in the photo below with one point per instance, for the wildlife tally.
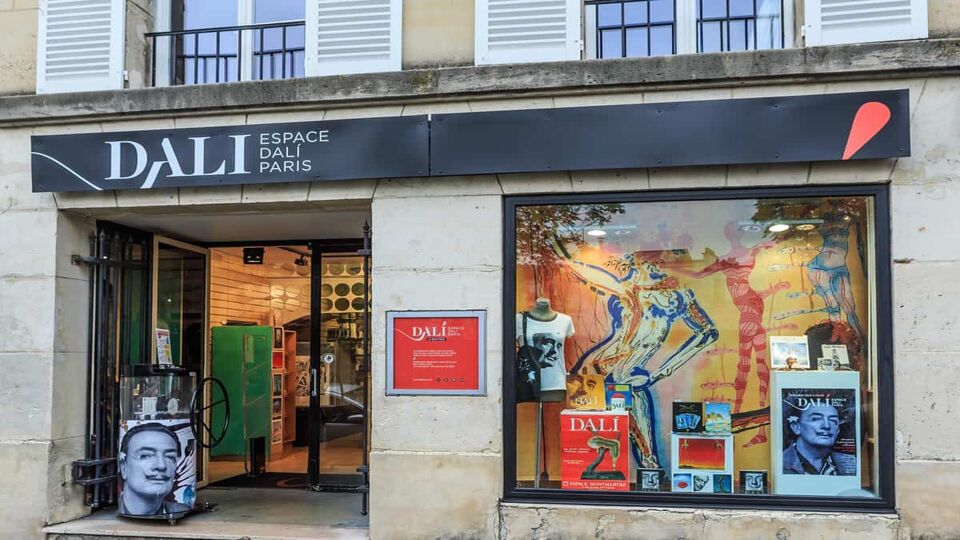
(735, 131)
(267, 153)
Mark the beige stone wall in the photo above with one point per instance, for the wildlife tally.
(944, 18)
(437, 245)
(18, 46)
(43, 346)
(438, 33)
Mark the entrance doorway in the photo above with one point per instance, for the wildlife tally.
(282, 324)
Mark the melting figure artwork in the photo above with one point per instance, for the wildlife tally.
(643, 304)
(736, 266)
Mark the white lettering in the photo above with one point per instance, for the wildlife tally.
(198, 158)
(115, 152)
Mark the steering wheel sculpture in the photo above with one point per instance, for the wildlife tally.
(198, 417)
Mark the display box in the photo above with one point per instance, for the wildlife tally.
(815, 417)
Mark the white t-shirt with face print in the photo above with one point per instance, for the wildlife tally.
(549, 337)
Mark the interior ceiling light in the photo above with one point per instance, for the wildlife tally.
(597, 233)
(778, 227)
(806, 227)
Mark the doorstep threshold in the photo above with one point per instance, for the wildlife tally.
(110, 526)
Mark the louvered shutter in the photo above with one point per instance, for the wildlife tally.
(514, 31)
(353, 36)
(829, 22)
(80, 45)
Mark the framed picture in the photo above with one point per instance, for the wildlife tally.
(276, 432)
(815, 418)
(437, 353)
(649, 479)
(278, 384)
(789, 352)
(277, 337)
(276, 408)
(753, 482)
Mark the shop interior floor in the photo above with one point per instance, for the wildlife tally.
(257, 514)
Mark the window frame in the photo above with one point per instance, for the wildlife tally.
(885, 502)
(686, 31)
(163, 21)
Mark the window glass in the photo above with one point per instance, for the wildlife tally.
(697, 347)
(279, 51)
(629, 29)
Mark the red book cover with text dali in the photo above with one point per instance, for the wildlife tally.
(595, 450)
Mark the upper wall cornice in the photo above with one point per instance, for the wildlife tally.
(782, 66)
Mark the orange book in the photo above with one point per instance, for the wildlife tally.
(586, 392)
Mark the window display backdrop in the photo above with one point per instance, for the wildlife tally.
(682, 301)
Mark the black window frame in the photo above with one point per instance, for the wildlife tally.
(885, 502)
(726, 46)
(624, 27)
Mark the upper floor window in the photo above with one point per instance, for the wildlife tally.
(515, 31)
(618, 29)
(230, 40)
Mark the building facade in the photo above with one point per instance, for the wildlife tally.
(503, 231)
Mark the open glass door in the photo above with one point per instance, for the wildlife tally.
(339, 373)
(180, 313)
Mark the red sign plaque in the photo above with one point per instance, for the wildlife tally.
(436, 352)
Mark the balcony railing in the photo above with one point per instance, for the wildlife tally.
(228, 53)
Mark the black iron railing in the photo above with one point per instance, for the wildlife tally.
(213, 55)
(727, 25)
(631, 31)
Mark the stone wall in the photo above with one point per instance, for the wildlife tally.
(437, 462)
(18, 46)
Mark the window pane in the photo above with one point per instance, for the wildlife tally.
(208, 13)
(635, 12)
(661, 40)
(608, 15)
(266, 11)
(711, 37)
(661, 11)
(637, 42)
(719, 347)
(611, 42)
(741, 8)
(712, 8)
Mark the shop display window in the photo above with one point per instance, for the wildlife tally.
(729, 346)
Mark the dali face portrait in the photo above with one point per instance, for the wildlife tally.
(815, 431)
(149, 455)
(817, 426)
(550, 348)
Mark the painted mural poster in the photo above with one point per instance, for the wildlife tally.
(679, 300)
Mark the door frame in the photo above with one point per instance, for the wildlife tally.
(350, 248)
(318, 248)
(158, 239)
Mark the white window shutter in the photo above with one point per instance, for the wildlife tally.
(515, 31)
(830, 22)
(80, 45)
(353, 36)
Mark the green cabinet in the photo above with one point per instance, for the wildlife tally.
(241, 360)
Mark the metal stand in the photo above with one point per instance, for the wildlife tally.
(536, 472)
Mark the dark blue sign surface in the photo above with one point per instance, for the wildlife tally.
(300, 152)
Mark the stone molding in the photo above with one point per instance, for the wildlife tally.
(781, 66)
